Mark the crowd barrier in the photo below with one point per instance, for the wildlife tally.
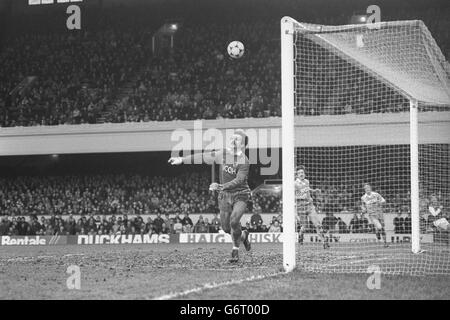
(194, 238)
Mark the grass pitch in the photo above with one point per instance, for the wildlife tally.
(186, 271)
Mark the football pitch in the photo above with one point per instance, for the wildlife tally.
(202, 271)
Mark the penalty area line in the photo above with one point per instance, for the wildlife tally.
(215, 285)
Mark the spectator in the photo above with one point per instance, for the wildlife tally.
(201, 226)
(164, 229)
(115, 228)
(256, 219)
(177, 218)
(329, 222)
(178, 226)
(62, 231)
(48, 231)
(357, 224)
(157, 223)
(4, 227)
(341, 227)
(187, 228)
(407, 223)
(260, 227)
(168, 222)
(399, 223)
(215, 224)
(275, 227)
(186, 220)
(148, 225)
(69, 225)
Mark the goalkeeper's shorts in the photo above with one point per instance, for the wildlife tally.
(228, 199)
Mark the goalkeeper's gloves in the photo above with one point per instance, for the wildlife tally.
(215, 187)
(175, 161)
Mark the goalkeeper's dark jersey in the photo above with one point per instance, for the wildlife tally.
(234, 168)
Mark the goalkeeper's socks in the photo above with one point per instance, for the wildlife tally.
(234, 255)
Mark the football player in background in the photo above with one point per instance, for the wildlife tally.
(372, 204)
(436, 214)
(306, 208)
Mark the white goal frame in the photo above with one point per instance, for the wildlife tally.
(288, 151)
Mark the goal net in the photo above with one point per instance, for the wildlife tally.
(365, 104)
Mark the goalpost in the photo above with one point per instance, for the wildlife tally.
(369, 77)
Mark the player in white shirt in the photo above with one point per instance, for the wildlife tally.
(372, 204)
(437, 215)
(305, 206)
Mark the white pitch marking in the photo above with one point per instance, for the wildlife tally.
(230, 269)
(30, 258)
(171, 268)
(27, 258)
(18, 259)
(214, 285)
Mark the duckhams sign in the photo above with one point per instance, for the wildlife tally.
(123, 239)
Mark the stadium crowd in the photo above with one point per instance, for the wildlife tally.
(106, 195)
(173, 224)
(58, 78)
(107, 73)
(99, 199)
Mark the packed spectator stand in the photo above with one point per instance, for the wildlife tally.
(107, 72)
(47, 205)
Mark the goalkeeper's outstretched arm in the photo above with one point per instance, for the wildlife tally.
(205, 157)
(209, 157)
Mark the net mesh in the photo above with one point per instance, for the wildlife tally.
(353, 87)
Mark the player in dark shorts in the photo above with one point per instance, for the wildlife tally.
(234, 192)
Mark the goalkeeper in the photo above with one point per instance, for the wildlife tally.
(234, 192)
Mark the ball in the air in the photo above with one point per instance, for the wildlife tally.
(236, 49)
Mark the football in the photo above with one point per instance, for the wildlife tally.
(236, 49)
